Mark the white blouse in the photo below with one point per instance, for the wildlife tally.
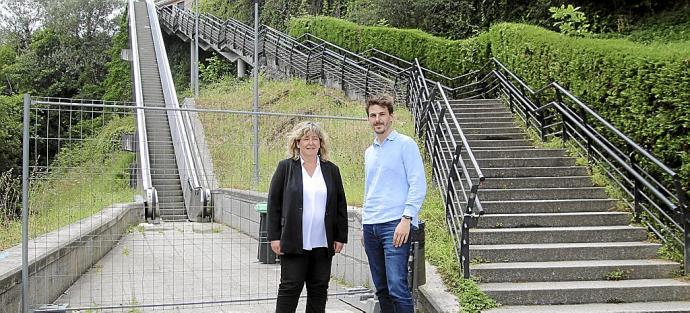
(314, 208)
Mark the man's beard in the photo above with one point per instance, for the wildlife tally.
(382, 131)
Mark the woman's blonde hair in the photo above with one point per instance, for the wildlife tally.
(302, 129)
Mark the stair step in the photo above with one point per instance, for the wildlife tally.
(164, 177)
(485, 163)
(461, 113)
(554, 219)
(475, 102)
(170, 193)
(527, 235)
(542, 193)
(497, 136)
(172, 205)
(548, 206)
(573, 270)
(500, 143)
(563, 251)
(170, 199)
(634, 307)
(534, 153)
(508, 172)
(573, 292)
(464, 125)
(480, 109)
(490, 130)
(488, 119)
(167, 187)
(538, 182)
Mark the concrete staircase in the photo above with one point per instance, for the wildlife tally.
(550, 238)
(164, 171)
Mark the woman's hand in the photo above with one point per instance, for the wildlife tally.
(338, 246)
(275, 246)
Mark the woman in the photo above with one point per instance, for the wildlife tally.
(307, 218)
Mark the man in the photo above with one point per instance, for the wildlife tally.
(394, 190)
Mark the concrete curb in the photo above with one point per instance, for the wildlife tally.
(434, 297)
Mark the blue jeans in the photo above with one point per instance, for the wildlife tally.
(388, 266)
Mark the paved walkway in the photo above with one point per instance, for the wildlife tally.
(181, 264)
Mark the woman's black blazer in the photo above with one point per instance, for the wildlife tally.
(285, 206)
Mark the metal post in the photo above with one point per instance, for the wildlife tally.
(195, 65)
(255, 118)
(25, 207)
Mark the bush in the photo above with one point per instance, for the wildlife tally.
(643, 90)
(451, 57)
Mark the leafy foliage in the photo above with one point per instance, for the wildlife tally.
(215, 69)
(118, 81)
(451, 57)
(640, 89)
(570, 20)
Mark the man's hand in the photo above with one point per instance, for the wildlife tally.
(275, 246)
(402, 232)
(338, 246)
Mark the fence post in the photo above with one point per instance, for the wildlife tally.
(683, 206)
(465, 247)
(292, 66)
(25, 206)
(323, 75)
(306, 73)
(366, 82)
(434, 138)
(564, 135)
(342, 72)
(275, 55)
(636, 191)
(583, 116)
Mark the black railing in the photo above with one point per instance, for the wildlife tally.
(648, 186)
(450, 154)
(455, 169)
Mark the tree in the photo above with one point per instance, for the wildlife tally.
(19, 19)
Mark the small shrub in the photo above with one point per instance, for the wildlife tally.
(570, 20)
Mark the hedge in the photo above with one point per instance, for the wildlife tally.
(451, 57)
(644, 90)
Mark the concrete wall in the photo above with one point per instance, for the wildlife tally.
(59, 258)
(235, 208)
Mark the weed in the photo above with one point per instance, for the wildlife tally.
(617, 274)
(125, 251)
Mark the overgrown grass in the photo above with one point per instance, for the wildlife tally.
(440, 252)
(229, 136)
(84, 179)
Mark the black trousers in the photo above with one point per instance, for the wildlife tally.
(312, 267)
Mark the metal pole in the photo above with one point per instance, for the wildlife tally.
(255, 118)
(25, 207)
(195, 79)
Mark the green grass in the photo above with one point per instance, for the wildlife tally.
(229, 136)
(440, 252)
(83, 180)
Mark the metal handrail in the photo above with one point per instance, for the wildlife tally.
(615, 150)
(194, 192)
(150, 194)
(441, 140)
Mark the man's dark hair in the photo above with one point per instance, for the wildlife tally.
(383, 100)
